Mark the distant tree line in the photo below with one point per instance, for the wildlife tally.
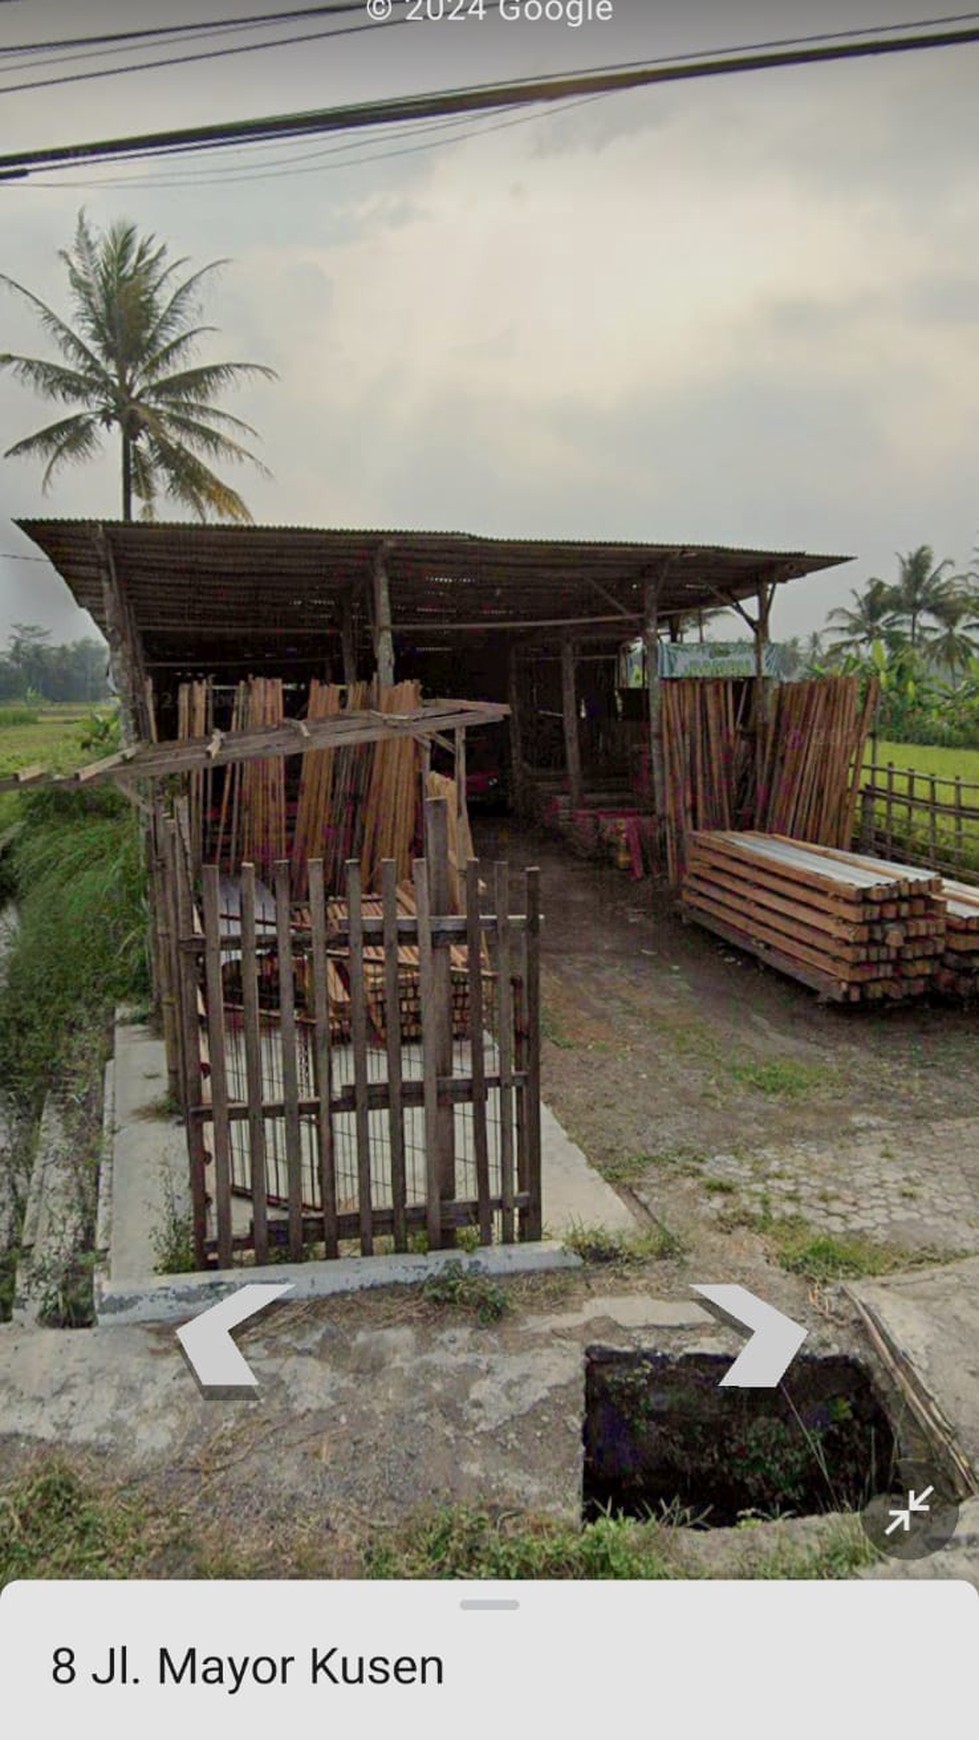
(919, 636)
(34, 668)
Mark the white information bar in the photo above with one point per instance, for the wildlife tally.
(490, 1661)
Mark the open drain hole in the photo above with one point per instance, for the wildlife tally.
(661, 1438)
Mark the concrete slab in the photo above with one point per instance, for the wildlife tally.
(145, 1187)
(149, 1155)
(364, 1406)
(574, 1193)
(929, 1321)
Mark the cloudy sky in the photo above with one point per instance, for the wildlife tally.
(739, 310)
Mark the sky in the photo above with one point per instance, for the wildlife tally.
(741, 311)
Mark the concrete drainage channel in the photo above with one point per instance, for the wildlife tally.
(662, 1438)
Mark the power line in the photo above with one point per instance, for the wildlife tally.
(286, 166)
(202, 54)
(472, 99)
(119, 42)
(206, 27)
(249, 175)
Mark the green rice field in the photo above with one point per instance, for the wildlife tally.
(916, 830)
(927, 758)
(47, 736)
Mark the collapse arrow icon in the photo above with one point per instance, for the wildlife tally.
(916, 1502)
(218, 1366)
(773, 1346)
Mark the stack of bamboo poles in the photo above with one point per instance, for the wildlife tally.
(957, 974)
(349, 778)
(253, 803)
(705, 761)
(313, 824)
(195, 718)
(814, 755)
(390, 820)
(856, 929)
(796, 772)
(437, 785)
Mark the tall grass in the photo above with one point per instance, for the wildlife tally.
(17, 713)
(78, 876)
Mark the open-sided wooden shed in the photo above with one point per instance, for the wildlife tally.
(532, 621)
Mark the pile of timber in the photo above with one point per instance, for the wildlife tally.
(729, 764)
(707, 760)
(817, 738)
(856, 929)
(375, 988)
(391, 812)
(312, 830)
(957, 974)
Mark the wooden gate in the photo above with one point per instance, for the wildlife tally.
(358, 1073)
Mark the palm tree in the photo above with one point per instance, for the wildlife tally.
(126, 362)
(921, 584)
(955, 642)
(869, 620)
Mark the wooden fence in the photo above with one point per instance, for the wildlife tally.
(356, 1069)
(920, 818)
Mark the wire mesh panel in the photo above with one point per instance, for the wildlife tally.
(378, 1075)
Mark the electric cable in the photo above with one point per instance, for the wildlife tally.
(466, 100)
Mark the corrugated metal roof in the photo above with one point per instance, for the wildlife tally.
(200, 586)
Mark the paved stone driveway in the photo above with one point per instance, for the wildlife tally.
(913, 1184)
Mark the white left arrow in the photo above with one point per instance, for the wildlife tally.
(207, 1342)
(773, 1346)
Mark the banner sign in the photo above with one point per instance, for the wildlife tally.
(714, 658)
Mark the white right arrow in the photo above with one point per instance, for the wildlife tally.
(773, 1346)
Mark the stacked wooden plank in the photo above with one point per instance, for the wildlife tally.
(409, 973)
(856, 929)
(957, 973)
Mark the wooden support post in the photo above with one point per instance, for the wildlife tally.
(650, 639)
(430, 1074)
(505, 1047)
(125, 656)
(437, 854)
(383, 636)
(347, 643)
(165, 942)
(531, 1219)
(572, 744)
(760, 631)
(460, 781)
(181, 903)
(517, 782)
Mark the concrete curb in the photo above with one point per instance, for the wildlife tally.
(172, 1298)
(22, 1311)
(101, 1277)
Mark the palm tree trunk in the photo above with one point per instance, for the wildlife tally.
(127, 477)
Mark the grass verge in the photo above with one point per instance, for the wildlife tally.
(599, 1244)
(466, 1290)
(59, 1521)
(802, 1249)
(78, 949)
